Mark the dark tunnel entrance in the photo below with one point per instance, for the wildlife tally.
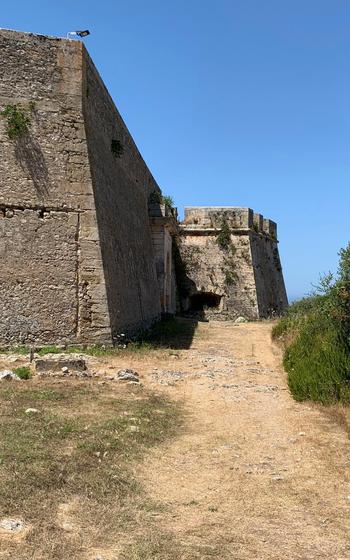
(205, 300)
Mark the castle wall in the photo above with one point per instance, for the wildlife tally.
(86, 252)
(121, 187)
(245, 276)
(43, 174)
(77, 260)
(164, 227)
(227, 274)
(270, 289)
(38, 275)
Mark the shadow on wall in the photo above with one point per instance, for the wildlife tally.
(191, 302)
(31, 159)
(205, 300)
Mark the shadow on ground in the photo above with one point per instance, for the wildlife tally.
(175, 333)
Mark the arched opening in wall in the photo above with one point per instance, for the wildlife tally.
(205, 300)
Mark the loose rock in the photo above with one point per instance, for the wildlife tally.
(128, 375)
(12, 525)
(241, 320)
(8, 375)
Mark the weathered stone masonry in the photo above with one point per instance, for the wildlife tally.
(243, 278)
(75, 240)
(87, 247)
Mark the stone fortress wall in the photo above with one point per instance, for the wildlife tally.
(240, 277)
(87, 248)
(75, 240)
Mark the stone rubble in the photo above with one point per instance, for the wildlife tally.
(169, 378)
(128, 375)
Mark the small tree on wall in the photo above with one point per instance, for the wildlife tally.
(224, 237)
(117, 148)
(18, 121)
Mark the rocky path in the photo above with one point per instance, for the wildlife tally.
(254, 474)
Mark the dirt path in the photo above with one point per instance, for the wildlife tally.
(254, 475)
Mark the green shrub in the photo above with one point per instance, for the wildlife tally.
(18, 121)
(168, 201)
(117, 148)
(155, 197)
(224, 237)
(23, 372)
(316, 334)
(318, 365)
(158, 198)
(290, 324)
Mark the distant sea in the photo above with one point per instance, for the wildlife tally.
(293, 298)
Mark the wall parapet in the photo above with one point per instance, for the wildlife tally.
(203, 219)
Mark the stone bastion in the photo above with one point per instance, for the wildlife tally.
(89, 250)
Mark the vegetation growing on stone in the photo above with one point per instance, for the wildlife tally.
(18, 121)
(23, 372)
(316, 336)
(246, 256)
(155, 197)
(225, 243)
(117, 148)
(229, 268)
(231, 277)
(158, 198)
(168, 201)
(224, 237)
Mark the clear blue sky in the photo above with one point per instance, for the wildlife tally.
(231, 102)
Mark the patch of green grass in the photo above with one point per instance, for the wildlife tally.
(22, 350)
(97, 351)
(23, 372)
(54, 350)
(231, 277)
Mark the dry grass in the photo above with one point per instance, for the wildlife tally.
(69, 471)
(339, 414)
(165, 547)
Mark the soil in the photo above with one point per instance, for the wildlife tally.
(254, 474)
